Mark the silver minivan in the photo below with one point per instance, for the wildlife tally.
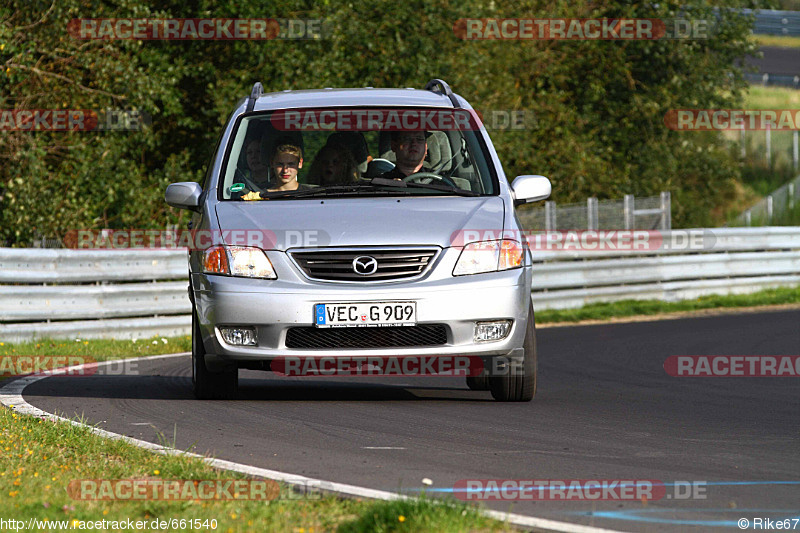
(359, 224)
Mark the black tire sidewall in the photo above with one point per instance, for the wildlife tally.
(520, 388)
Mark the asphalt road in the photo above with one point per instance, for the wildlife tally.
(776, 60)
(606, 409)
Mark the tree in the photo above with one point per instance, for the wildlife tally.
(599, 105)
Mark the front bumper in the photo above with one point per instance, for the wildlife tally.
(274, 306)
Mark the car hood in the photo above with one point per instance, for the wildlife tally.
(285, 224)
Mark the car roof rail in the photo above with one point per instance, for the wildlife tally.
(440, 86)
(257, 91)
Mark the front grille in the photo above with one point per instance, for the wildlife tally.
(337, 265)
(390, 337)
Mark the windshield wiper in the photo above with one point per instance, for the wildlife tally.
(385, 182)
(334, 190)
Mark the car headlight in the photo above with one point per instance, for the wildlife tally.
(240, 261)
(489, 256)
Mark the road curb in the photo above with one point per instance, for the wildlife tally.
(11, 397)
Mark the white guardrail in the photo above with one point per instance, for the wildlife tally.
(141, 293)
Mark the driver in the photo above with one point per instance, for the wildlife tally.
(410, 148)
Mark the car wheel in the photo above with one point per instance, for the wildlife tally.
(480, 382)
(209, 385)
(518, 384)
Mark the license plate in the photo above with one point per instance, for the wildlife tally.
(371, 314)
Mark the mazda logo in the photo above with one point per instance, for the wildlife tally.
(365, 265)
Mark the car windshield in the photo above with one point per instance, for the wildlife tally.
(345, 152)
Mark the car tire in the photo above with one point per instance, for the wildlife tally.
(480, 382)
(208, 385)
(519, 384)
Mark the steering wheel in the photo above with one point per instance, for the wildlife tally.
(419, 176)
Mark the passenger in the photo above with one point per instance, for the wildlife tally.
(410, 148)
(333, 165)
(259, 170)
(286, 162)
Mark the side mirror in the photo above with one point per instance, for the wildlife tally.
(184, 195)
(530, 189)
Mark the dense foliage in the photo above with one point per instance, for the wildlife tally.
(598, 105)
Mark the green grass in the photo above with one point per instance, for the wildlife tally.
(758, 178)
(784, 216)
(781, 41)
(756, 149)
(763, 181)
(790, 217)
(626, 308)
(82, 351)
(99, 349)
(760, 97)
(39, 459)
(396, 516)
(786, 5)
(52, 353)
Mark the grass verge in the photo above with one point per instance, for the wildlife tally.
(99, 349)
(760, 97)
(780, 41)
(39, 459)
(627, 308)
